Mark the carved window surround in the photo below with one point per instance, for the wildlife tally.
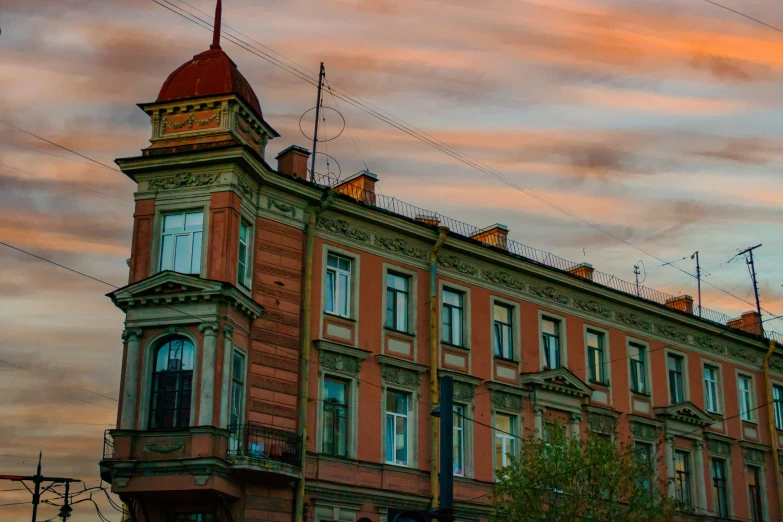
(644, 429)
(602, 420)
(719, 445)
(400, 373)
(340, 359)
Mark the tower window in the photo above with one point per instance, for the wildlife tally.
(181, 242)
(172, 384)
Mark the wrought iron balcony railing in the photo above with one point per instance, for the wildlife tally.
(256, 441)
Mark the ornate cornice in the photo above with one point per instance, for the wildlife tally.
(186, 179)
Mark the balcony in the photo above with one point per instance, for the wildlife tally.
(255, 447)
(199, 456)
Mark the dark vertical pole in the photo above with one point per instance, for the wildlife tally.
(698, 278)
(446, 503)
(636, 273)
(37, 492)
(755, 283)
(317, 115)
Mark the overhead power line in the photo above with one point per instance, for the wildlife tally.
(744, 16)
(426, 138)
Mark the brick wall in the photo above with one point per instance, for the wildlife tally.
(274, 357)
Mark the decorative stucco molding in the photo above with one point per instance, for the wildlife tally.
(457, 263)
(506, 401)
(400, 246)
(279, 206)
(192, 120)
(343, 227)
(186, 179)
(395, 375)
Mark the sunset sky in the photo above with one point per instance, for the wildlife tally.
(659, 120)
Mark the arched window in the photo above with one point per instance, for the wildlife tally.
(172, 384)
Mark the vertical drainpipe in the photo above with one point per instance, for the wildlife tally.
(304, 361)
(442, 231)
(773, 434)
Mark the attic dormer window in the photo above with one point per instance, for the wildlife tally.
(181, 239)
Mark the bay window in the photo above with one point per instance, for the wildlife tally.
(181, 240)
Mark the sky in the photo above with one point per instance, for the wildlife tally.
(661, 121)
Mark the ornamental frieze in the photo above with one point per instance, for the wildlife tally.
(634, 320)
(506, 401)
(338, 362)
(593, 307)
(186, 179)
(709, 343)
(502, 278)
(464, 391)
(283, 208)
(400, 246)
(671, 332)
(776, 364)
(399, 376)
(601, 423)
(753, 456)
(192, 120)
(719, 447)
(644, 431)
(741, 353)
(456, 263)
(341, 226)
(549, 292)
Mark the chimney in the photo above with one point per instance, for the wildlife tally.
(293, 161)
(360, 186)
(583, 270)
(494, 235)
(749, 322)
(683, 303)
(429, 219)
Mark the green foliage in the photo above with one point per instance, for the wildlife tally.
(596, 478)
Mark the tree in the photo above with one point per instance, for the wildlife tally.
(594, 478)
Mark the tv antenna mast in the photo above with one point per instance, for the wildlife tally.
(752, 269)
(636, 272)
(698, 278)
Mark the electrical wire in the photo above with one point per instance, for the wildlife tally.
(459, 156)
(48, 376)
(69, 184)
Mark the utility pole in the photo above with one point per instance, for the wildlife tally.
(39, 479)
(317, 115)
(752, 270)
(698, 278)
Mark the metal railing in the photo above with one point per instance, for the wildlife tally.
(256, 441)
(108, 445)
(400, 208)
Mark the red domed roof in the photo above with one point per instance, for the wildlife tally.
(210, 73)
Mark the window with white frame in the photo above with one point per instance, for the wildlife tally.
(505, 440)
(397, 301)
(676, 391)
(397, 412)
(550, 332)
(458, 440)
(335, 417)
(637, 356)
(745, 393)
(595, 357)
(777, 397)
(181, 239)
(236, 411)
(682, 477)
(754, 494)
(711, 401)
(338, 285)
(453, 317)
(243, 266)
(503, 331)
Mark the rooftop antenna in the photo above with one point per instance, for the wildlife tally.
(698, 277)
(216, 29)
(317, 112)
(636, 273)
(753, 279)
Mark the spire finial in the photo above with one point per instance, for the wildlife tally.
(216, 34)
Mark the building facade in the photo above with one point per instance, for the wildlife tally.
(283, 336)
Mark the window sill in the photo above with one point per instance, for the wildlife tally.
(504, 359)
(448, 344)
(644, 394)
(754, 422)
(345, 318)
(599, 383)
(400, 332)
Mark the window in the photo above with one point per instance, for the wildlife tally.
(335, 418)
(745, 398)
(458, 441)
(636, 355)
(720, 490)
(754, 494)
(550, 329)
(595, 357)
(243, 269)
(711, 389)
(674, 363)
(643, 452)
(397, 298)
(397, 428)
(505, 441)
(777, 396)
(504, 347)
(237, 389)
(181, 242)
(682, 479)
(172, 383)
(453, 317)
(338, 285)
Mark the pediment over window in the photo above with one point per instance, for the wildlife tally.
(559, 380)
(170, 288)
(686, 412)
